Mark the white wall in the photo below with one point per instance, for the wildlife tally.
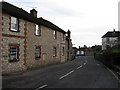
(112, 42)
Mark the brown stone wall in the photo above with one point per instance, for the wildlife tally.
(47, 43)
(9, 37)
(27, 40)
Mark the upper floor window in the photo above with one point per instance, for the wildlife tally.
(38, 32)
(14, 24)
(63, 38)
(54, 34)
(108, 40)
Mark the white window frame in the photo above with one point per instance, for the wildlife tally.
(55, 34)
(14, 24)
(38, 30)
(54, 51)
(37, 52)
(14, 53)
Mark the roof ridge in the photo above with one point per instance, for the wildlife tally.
(20, 13)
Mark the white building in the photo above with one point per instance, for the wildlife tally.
(110, 39)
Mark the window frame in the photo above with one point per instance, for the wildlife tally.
(17, 23)
(63, 51)
(63, 37)
(54, 51)
(37, 58)
(54, 34)
(37, 29)
(18, 49)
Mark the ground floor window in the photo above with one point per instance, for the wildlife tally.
(37, 52)
(14, 52)
(63, 51)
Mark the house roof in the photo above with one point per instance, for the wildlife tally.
(112, 34)
(20, 13)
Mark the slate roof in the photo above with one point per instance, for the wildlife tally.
(20, 13)
(112, 34)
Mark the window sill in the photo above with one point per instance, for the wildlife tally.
(37, 35)
(14, 60)
(14, 30)
(54, 56)
(38, 58)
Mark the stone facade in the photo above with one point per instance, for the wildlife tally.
(9, 37)
(27, 41)
(47, 43)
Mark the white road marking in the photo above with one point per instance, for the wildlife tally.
(79, 67)
(66, 74)
(41, 87)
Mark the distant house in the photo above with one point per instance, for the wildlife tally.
(74, 51)
(80, 51)
(29, 41)
(110, 39)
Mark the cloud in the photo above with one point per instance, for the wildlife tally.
(87, 19)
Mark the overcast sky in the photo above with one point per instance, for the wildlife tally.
(88, 20)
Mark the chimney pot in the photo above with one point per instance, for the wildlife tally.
(33, 12)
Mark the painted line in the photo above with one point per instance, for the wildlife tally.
(98, 64)
(41, 87)
(85, 62)
(114, 74)
(66, 74)
(79, 67)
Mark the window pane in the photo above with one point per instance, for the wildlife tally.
(37, 30)
(63, 51)
(13, 20)
(54, 51)
(37, 52)
(13, 52)
(54, 34)
(14, 24)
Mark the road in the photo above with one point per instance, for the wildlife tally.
(83, 72)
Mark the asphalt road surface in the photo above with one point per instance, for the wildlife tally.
(83, 72)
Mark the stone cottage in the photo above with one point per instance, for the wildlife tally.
(29, 41)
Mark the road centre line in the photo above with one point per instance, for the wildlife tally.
(41, 87)
(79, 67)
(66, 74)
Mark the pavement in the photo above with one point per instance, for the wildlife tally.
(83, 72)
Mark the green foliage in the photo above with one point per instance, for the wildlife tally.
(116, 51)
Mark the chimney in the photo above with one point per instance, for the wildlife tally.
(69, 34)
(33, 12)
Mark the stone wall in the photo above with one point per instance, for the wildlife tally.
(27, 40)
(7, 66)
(46, 41)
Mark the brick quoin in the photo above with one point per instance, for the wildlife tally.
(25, 43)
